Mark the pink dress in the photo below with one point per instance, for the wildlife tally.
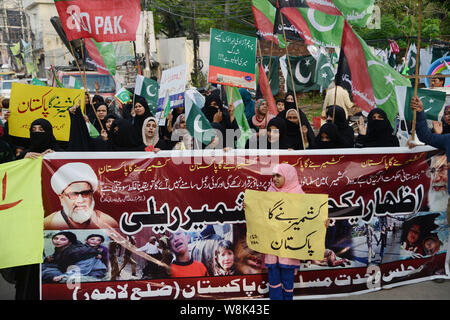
(291, 185)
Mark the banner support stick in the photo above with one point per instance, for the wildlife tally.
(292, 81)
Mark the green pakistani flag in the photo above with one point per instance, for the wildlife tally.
(324, 29)
(384, 80)
(412, 59)
(197, 124)
(123, 95)
(324, 74)
(274, 80)
(433, 102)
(147, 88)
(234, 97)
(303, 69)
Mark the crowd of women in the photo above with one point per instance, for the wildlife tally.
(133, 127)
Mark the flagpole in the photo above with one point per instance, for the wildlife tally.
(84, 83)
(270, 58)
(416, 77)
(292, 80)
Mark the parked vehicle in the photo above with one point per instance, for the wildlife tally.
(106, 82)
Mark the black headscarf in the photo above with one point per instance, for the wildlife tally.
(280, 124)
(126, 137)
(208, 110)
(346, 135)
(289, 105)
(331, 130)
(293, 135)
(379, 132)
(138, 121)
(41, 141)
(96, 123)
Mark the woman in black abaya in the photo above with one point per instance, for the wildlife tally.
(42, 140)
(377, 133)
(346, 135)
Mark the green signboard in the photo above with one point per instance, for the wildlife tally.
(232, 59)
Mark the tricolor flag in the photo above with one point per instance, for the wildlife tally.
(123, 95)
(102, 55)
(433, 102)
(197, 124)
(264, 87)
(234, 98)
(21, 213)
(264, 14)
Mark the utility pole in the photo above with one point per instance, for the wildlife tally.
(196, 43)
(147, 72)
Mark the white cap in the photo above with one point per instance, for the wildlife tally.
(73, 172)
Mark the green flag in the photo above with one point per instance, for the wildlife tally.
(166, 104)
(38, 82)
(58, 83)
(197, 124)
(384, 80)
(433, 102)
(324, 74)
(273, 72)
(303, 69)
(124, 96)
(234, 98)
(74, 83)
(147, 88)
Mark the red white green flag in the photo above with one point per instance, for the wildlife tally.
(264, 14)
(102, 20)
(102, 56)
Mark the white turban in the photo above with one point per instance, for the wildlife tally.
(73, 172)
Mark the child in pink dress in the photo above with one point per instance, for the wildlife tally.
(281, 271)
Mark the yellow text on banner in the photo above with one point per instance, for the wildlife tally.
(21, 213)
(29, 102)
(286, 224)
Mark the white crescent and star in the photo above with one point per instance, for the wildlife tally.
(388, 78)
(317, 25)
(149, 92)
(299, 75)
(196, 126)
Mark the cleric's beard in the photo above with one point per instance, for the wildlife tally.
(437, 200)
(80, 216)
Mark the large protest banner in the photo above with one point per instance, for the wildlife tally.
(29, 102)
(232, 59)
(104, 21)
(388, 223)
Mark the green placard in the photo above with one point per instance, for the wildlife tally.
(232, 59)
